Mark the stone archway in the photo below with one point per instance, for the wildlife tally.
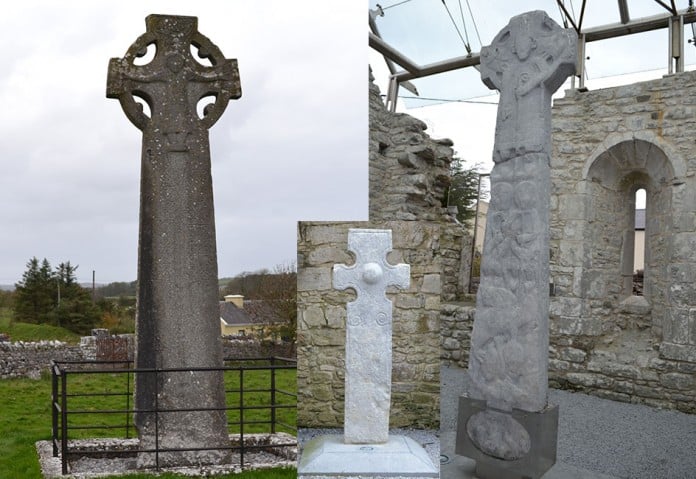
(613, 176)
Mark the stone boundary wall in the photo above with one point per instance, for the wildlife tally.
(29, 359)
(244, 348)
(415, 400)
(575, 364)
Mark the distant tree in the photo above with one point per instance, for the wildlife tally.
(117, 289)
(279, 290)
(117, 313)
(35, 293)
(65, 274)
(248, 284)
(463, 190)
(47, 296)
(74, 309)
(7, 299)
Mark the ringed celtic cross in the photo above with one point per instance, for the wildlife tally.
(177, 322)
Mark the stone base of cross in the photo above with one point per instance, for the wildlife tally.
(366, 447)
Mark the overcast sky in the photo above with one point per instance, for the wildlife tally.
(293, 147)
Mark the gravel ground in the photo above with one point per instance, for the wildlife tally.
(626, 441)
(427, 439)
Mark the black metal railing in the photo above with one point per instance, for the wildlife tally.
(82, 405)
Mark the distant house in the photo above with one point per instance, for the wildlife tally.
(240, 317)
(481, 224)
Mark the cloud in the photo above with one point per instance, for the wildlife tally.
(294, 146)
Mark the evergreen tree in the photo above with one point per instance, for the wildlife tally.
(35, 293)
(463, 190)
(54, 297)
(74, 310)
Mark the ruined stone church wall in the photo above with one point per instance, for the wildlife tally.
(604, 340)
(409, 171)
(322, 315)
(607, 144)
(409, 174)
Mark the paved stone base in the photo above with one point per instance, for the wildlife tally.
(542, 429)
(399, 456)
(460, 467)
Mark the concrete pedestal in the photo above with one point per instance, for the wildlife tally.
(399, 456)
(542, 428)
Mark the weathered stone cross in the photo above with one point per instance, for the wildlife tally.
(178, 316)
(505, 415)
(369, 334)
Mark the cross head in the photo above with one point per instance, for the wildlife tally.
(173, 82)
(369, 277)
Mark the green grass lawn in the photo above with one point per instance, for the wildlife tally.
(26, 416)
(33, 332)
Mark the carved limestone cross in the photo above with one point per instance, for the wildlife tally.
(508, 361)
(369, 334)
(177, 260)
(174, 82)
(527, 62)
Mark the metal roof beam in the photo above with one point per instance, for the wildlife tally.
(390, 64)
(412, 69)
(391, 53)
(638, 25)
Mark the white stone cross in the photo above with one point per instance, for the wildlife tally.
(369, 334)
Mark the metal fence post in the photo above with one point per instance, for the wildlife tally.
(64, 422)
(128, 404)
(54, 408)
(273, 396)
(241, 417)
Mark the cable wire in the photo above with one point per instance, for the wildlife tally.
(471, 14)
(447, 100)
(455, 24)
(466, 33)
(395, 4)
(563, 17)
(572, 10)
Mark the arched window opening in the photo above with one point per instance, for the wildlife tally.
(639, 241)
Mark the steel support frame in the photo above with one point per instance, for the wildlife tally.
(674, 24)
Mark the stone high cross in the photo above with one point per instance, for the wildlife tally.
(178, 315)
(508, 364)
(369, 334)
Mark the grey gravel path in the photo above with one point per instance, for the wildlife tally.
(599, 438)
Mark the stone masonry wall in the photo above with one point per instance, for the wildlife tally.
(575, 363)
(29, 359)
(409, 174)
(409, 171)
(608, 143)
(321, 323)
